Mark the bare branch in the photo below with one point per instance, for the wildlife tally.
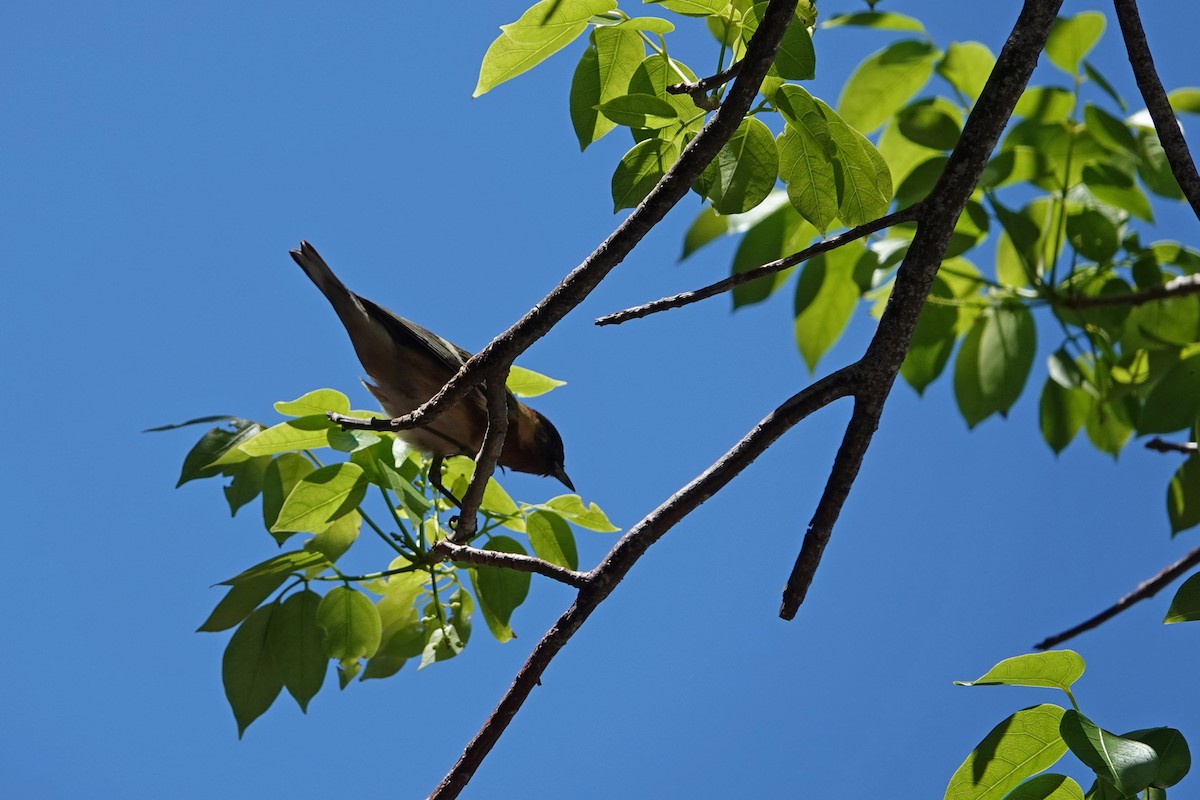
(858, 435)
(1176, 287)
(770, 268)
(1145, 589)
(446, 549)
(1163, 446)
(1169, 134)
(935, 222)
(699, 89)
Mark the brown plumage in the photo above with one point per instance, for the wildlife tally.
(409, 364)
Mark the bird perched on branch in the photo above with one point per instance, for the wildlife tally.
(409, 364)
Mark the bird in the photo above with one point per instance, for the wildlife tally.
(409, 364)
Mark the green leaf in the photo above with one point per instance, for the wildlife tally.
(884, 82)
(527, 383)
(1093, 234)
(863, 180)
(283, 564)
(1047, 786)
(248, 672)
(543, 30)
(1127, 764)
(640, 170)
(247, 481)
(933, 122)
(653, 77)
(403, 636)
(214, 444)
(1108, 427)
(966, 65)
(1045, 103)
(692, 8)
(994, 362)
(552, 539)
(1020, 254)
(321, 497)
(649, 24)
(795, 60)
(1116, 187)
(571, 508)
(805, 156)
(603, 74)
(826, 296)
(1095, 77)
(1022, 745)
(1183, 504)
(302, 433)
(1174, 402)
(1055, 669)
(1072, 38)
(282, 475)
(241, 599)
(744, 171)
(1185, 605)
(643, 111)
(1109, 131)
(351, 624)
(1154, 169)
(707, 227)
(294, 642)
(880, 20)
(1185, 100)
(1014, 165)
(317, 402)
(933, 339)
(500, 590)
(1062, 413)
(1174, 756)
(335, 540)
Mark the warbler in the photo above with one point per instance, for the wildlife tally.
(409, 364)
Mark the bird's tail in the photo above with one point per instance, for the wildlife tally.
(319, 272)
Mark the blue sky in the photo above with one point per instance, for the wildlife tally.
(159, 160)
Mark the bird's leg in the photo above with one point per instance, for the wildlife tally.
(435, 478)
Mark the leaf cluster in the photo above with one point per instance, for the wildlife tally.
(287, 629)
(1010, 762)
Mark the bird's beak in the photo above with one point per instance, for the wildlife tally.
(561, 474)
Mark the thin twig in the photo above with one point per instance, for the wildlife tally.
(1176, 287)
(699, 89)
(485, 461)
(1161, 445)
(446, 549)
(1145, 589)
(1169, 134)
(770, 268)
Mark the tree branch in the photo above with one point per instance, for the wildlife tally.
(770, 268)
(604, 578)
(935, 222)
(1169, 133)
(699, 89)
(1176, 287)
(1161, 445)
(446, 549)
(1145, 589)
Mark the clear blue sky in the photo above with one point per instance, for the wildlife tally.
(159, 160)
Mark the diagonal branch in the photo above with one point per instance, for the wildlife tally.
(604, 578)
(579, 283)
(1145, 589)
(770, 268)
(485, 461)
(1169, 133)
